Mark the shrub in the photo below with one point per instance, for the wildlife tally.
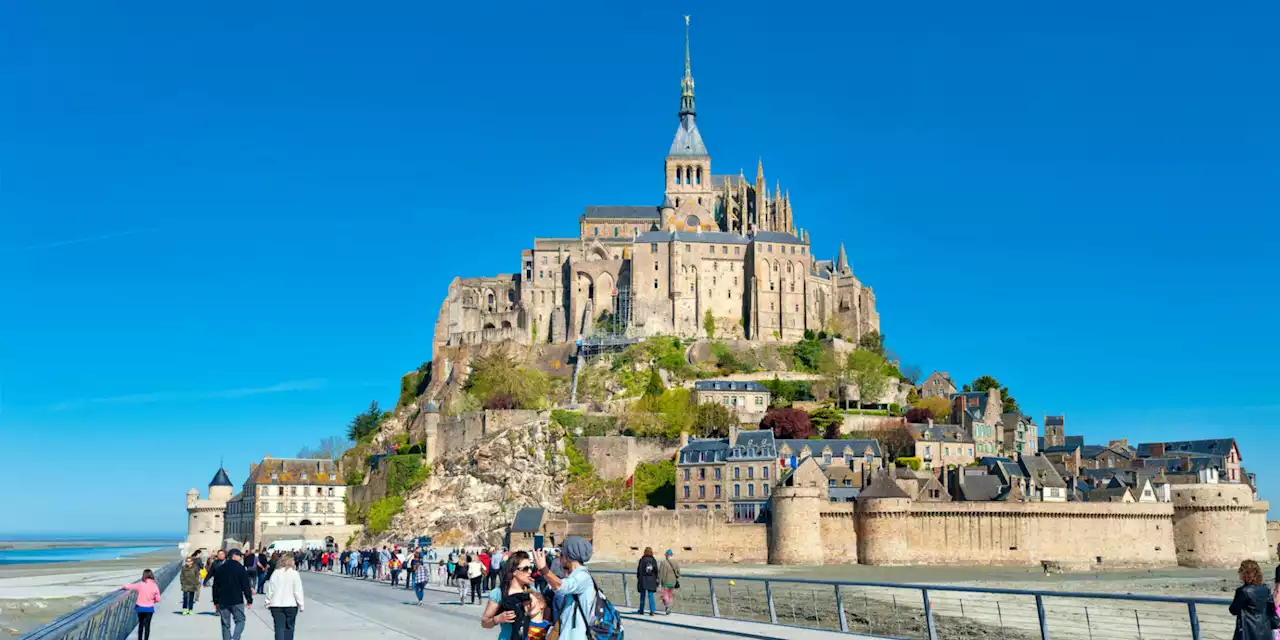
(381, 512)
(498, 372)
(414, 384)
(807, 353)
(655, 483)
(827, 421)
(499, 401)
(919, 415)
(713, 419)
(788, 423)
(354, 477)
(913, 462)
(789, 390)
(939, 407)
(404, 472)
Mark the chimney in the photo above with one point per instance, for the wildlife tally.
(733, 435)
(684, 439)
(1122, 443)
(1157, 449)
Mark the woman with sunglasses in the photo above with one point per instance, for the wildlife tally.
(515, 578)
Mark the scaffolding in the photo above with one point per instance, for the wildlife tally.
(612, 336)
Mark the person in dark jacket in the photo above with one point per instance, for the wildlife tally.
(189, 580)
(647, 579)
(232, 592)
(1253, 606)
(213, 566)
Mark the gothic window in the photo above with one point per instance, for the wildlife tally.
(615, 232)
(690, 287)
(699, 180)
(511, 297)
(771, 285)
(491, 300)
(775, 267)
(679, 174)
(788, 267)
(771, 306)
(699, 200)
(677, 202)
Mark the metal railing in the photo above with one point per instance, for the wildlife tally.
(110, 617)
(939, 612)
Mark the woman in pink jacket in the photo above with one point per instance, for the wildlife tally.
(148, 597)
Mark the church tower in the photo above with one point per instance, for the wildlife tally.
(688, 165)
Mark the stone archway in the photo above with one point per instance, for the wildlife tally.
(305, 523)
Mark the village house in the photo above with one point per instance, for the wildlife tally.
(938, 385)
(750, 400)
(941, 446)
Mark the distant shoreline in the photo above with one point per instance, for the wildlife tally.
(56, 543)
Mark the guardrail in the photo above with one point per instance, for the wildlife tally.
(939, 612)
(110, 617)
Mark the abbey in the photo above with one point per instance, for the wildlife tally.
(718, 246)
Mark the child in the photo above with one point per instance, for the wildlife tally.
(145, 606)
(530, 608)
(538, 624)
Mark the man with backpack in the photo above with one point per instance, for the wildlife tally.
(583, 611)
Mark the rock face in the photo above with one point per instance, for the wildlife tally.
(473, 494)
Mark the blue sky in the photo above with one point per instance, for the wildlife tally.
(226, 227)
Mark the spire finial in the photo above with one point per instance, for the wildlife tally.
(686, 83)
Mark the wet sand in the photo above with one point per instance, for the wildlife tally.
(33, 594)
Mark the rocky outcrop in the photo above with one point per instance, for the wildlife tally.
(473, 493)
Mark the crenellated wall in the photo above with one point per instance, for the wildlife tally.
(1214, 525)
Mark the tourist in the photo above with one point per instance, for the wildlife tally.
(284, 598)
(394, 565)
(213, 566)
(475, 576)
(1253, 606)
(263, 564)
(495, 569)
(577, 591)
(231, 594)
(460, 579)
(189, 581)
(384, 560)
(419, 578)
(515, 579)
(647, 579)
(669, 578)
(145, 606)
(251, 566)
(484, 559)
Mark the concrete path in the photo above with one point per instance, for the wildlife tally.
(339, 607)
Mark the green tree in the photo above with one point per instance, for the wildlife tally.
(867, 373)
(986, 383)
(872, 341)
(654, 388)
(807, 353)
(676, 408)
(499, 373)
(939, 407)
(834, 371)
(827, 421)
(709, 324)
(365, 424)
(712, 419)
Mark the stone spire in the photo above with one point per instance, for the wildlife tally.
(686, 83)
(842, 262)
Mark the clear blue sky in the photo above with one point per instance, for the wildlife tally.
(225, 227)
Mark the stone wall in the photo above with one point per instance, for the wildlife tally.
(339, 533)
(461, 431)
(694, 536)
(1214, 526)
(613, 456)
(1004, 533)
(1273, 535)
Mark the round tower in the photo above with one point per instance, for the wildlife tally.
(1211, 525)
(795, 534)
(882, 523)
(220, 488)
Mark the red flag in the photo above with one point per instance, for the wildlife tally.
(630, 480)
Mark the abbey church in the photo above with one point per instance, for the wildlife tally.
(718, 246)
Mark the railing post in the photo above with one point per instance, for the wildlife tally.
(773, 613)
(928, 616)
(1195, 621)
(1044, 625)
(715, 604)
(844, 623)
(628, 592)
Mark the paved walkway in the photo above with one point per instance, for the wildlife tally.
(340, 607)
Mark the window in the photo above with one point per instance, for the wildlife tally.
(724, 251)
(737, 491)
(655, 283)
(544, 260)
(751, 491)
(306, 507)
(848, 482)
(686, 475)
(653, 247)
(717, 491)
(831, 482)
(826, 458)
(686, 492)
(679, 174)
(771, 304)
(769, 248)
(698, 178)
(655, 265)
(717, 473)
(330, 492)
(736, 250)
(279, 507)
(690, 287)
(595, 231)
(262, 507)
(702, 473)
(279, 491)
(751, 472)
(702, 491)
(764, 472)
(764, 490)
(540, 272)
(293, 491)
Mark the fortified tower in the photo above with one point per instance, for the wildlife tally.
(205, 517)
(795, 536)
(1214, 525)
(882, 523)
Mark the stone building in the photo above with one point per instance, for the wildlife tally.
(942, 446)
(750, 400)
(289, 498)
(735, 474)
(1221, 449)
(938, 385)
(205, 518)
(1020, 434)
(718, 247)
(979, 413)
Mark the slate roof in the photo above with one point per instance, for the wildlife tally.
(754, 444)
(882, 486)
(857, 447)
(981, 488)
(1041, 472)
(220, 479)
(716, 237)
(730, 385)
(718, 180)
(776, 236)
(528, 519)
(705, 451)
(1174, 465)
(1093, 451)
(623, 212)
(292, 470)
(940, 433)
(1108, 494)
(1054, 421)
(688, 141)
(1215, 447)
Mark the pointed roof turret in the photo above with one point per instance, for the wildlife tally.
(760, 171)
(220, 479)
(842, 262)
(688, 142)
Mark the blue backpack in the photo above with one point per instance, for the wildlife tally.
(604, 623)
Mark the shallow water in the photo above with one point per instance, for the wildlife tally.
(75, 554)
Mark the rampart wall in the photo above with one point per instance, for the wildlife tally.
(694, 536)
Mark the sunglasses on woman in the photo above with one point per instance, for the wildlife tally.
(526, 569)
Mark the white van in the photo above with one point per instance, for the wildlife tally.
(287, 545)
